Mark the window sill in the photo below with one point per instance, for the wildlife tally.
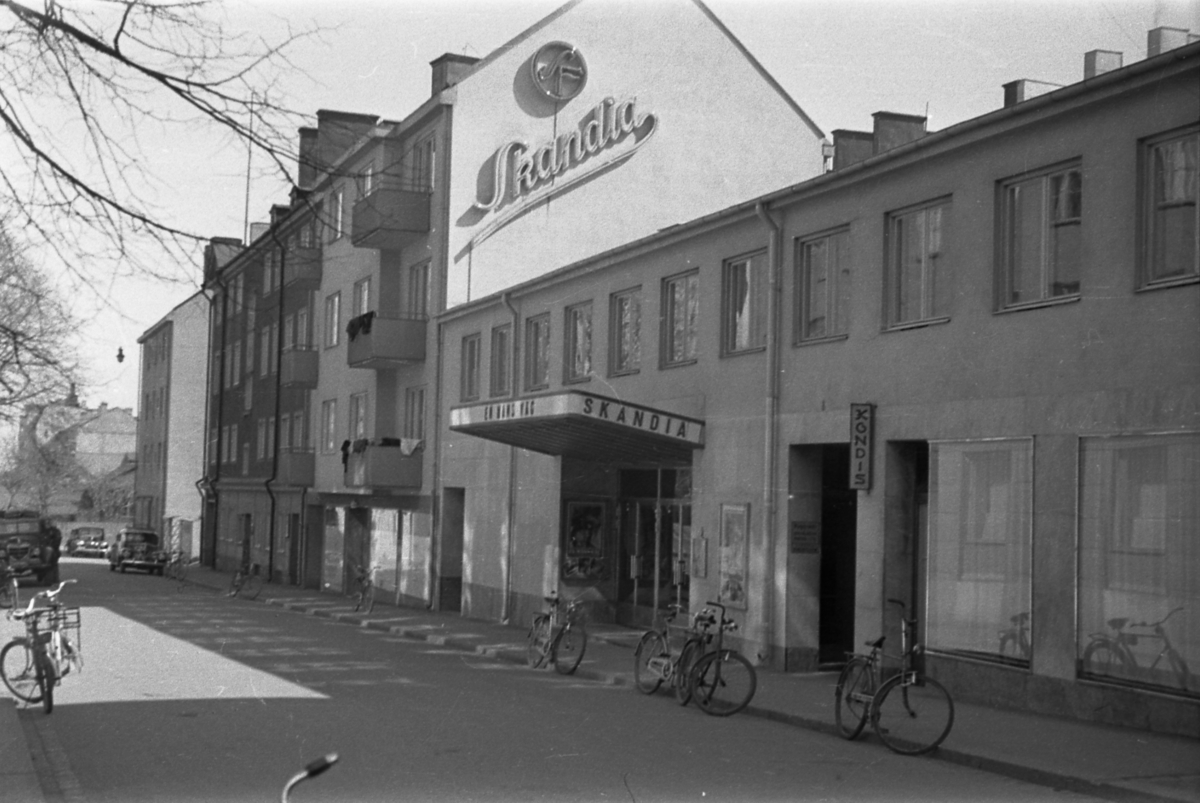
(625, 372)
(817, 341)
(1164, 284)
(1045, 302)
(681, 364)
(743, 352)
(900, 327)
(577, 380)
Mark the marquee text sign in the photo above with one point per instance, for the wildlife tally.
(862, 443)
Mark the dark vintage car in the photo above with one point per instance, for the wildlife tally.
(87, 542)
(29, 545)
(139, 549)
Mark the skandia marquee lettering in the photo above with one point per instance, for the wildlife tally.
(636, 417)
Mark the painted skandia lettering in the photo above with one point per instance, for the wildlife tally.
(639, 419)
(520, 169)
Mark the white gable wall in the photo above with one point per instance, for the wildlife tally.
(721, 134)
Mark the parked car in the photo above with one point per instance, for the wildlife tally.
(30, 545)
(137, 548)
(87, 542)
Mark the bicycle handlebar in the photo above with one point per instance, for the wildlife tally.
(311, 770)
(1159, 622)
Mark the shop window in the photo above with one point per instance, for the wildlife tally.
(578, 345)
(469, 384)
(414, 413)
(333, 318)
(980, 547)
(1139, 558)
(537, 352)
(358, 416)
(744, 304)
(1040, 224)
(329, 426)
(823, 285)
(500, 383)
(1171, 224)
(681, 304)
(625, 332)
(918, 276)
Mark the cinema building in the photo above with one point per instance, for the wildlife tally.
(960, 369)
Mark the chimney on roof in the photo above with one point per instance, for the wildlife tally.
(893, 130)
(258, 230)
(1160, 40)
(1098, 62)
(336, 133)
(449, 69)
(279, 212)
(306, 175)
(851, 147)
(1026, 89)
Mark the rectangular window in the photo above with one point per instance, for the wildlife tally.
(1171, 226)
(336, 214)
(261, 438)
(416, 291)
(329, 426)
(423, 164)
(270, 436)
(1040, 241)
(306, 238)
(744, 302)
(366, 181)
(333, 319)
(625, 332)
(358, 416)
(578, 363)
(303, 340)
(235, 369)
(289, 332)
(1139, 557)
(414, 413)
(501, 376)
(823, 284)
(265, 355)
(537, 352)
(469, 381)
(918, 277)
(980, 545)
(285, 432)
(681, 304)
(362, 296)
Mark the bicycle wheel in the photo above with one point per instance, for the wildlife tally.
(19, 671)
(568, 648)
(912, 718)
(369, 598)
(252, 586)
(539, 641)
(1102, 658)
(723, 683)
(1180, 669)
(683, 671)
(235, 584)
(46, 678)
(852, 697)
(647, 676)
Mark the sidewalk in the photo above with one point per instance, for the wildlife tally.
(1099, 760)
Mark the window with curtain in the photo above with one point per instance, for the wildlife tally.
(681, 304)
(329, 426)
(823, 284)
(358, 416)
(414, 412)
(1139, 561)
(469, 384)
(500, 381)
(1172, 210)
(578, 344)
(537, 352)
(918, 277)
(625, 332)
(744, 299)
(980, 544)
(1041, 220)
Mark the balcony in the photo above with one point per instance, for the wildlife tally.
(384, 466)
(302, 266)
(391, 217)
(298, 368)
(295, 467)
(380, 343)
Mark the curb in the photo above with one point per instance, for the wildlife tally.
(19, 782)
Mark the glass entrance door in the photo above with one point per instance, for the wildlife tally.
(655, 548)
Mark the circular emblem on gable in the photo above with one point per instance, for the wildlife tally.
(559, 71)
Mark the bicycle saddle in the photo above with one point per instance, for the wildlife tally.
(876, 644)
(1118, 624)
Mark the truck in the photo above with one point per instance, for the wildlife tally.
(30, 545)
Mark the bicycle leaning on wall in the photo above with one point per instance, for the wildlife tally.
(33, 664)
(910, 712)
(722, 681)
(247, 581)
(562, 646)
(655, 663)
(364, 596)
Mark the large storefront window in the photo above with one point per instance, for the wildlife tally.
(980, 541)
(1139, 567)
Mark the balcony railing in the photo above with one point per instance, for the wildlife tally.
(302, 266)
(379, 343)
(295, 467)
(298, 368)
(392, 216)
(390, 464)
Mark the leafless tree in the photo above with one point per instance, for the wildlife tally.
(37, 361)
(80, 81)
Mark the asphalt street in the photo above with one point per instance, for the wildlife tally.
(187, 695)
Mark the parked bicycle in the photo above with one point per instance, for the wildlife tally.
(722, 681)
(655, 663)
(247, 581)
(10, 589)
(563, 646)
(364, 597)
(1113, 654)
(911, 713)
(33, 664)
(311, 770)
(178, 565)
(1014, 642)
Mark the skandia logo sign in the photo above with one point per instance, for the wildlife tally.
(525, 175)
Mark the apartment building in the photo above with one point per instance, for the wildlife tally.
(170, 424)
(959, 370)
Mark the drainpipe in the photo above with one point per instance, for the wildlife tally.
(216, 528)
(278, 400)
(511, 512)
(770, 426)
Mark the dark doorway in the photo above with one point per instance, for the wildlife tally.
(293, 547)
(654, 532)
(450, 556)
(839, 532)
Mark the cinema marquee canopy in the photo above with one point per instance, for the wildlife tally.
(584, 425)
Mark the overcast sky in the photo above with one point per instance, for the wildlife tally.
(840, 60)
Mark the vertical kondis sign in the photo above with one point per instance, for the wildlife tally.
(862, 435)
